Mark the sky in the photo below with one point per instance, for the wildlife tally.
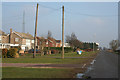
(90, 21)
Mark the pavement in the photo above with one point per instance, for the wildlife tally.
(105, 66)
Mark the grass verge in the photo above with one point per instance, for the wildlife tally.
(13, 72)
(45, 59)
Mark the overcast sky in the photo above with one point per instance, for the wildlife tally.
(90, 21)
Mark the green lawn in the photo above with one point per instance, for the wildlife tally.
(70, 54)
(45, 59)
(17, 72)
(13, 72)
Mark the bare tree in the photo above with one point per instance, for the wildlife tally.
(48, 37)
(49, 34)
(113, 44)
(42, 45)
(73, 41)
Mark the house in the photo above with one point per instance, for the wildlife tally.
(4, 40)
(49, 42)
(118, 49)
(41, 42)
(67, 45)
(58, 43)
(24, 40)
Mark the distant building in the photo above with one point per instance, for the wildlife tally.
(50, 42)
(67, 45)
(58, 43)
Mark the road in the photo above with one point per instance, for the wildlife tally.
(105, 66)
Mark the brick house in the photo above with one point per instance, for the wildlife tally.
(58, 43)
(4, 40)
(24, 40)
(50, 42)
(41, 42)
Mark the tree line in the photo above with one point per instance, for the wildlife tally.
(75, 43)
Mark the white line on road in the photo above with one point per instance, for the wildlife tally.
(83, 65)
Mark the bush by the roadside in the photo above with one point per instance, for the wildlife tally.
(53, 51)
(4, 53)
(12, 53)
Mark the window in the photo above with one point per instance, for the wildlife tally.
(47, 42)
(27, 41)
(32, 41)
(16, 39)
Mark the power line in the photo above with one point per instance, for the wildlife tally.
(93, 15)
(50, 12)
(49, 7)
(32, 6)
(69, 12)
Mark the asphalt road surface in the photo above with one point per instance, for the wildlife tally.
(105, 66)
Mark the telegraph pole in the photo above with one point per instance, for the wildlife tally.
(35, 32)
(62, 32)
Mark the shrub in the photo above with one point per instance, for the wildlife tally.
(16, 55)
(53, 51)
(68, 49)
(12, 52)
(4, 53)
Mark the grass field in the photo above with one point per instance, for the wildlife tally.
(45, 59)
(19, 72)
(13, 72)
(70, 54)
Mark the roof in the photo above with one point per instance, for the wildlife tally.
(2, 33)
(24, 35)
(40, 38)
(50, 38)
(58, 41)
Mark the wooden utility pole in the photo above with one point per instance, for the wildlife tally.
(62, 32)
(35, 32)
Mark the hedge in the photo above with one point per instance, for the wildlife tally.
(66, 49)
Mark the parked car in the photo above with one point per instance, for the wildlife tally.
(32, 51)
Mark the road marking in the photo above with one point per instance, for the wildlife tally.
(83, 65)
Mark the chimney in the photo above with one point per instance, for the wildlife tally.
(10, 40)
